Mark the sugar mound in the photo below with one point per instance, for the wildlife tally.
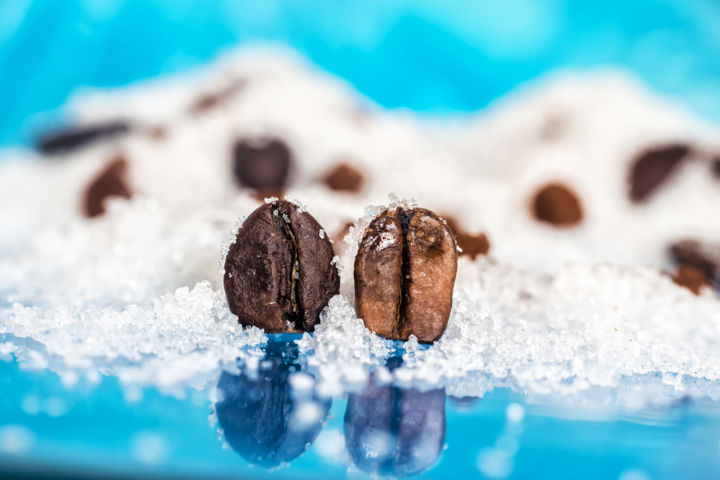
(589, 332)
(587, 327)
(180, 339)
(570, 312)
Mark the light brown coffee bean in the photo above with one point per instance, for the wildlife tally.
(344, 178)
(691, 278)
(405, 274)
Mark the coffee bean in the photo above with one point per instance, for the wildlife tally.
(110, 182)
(278, 273)
(471, 245)
(703, 256)
(344, 178)
(394, 431)
(557, 204)
(158, 133)
(405, 273)
(691, 278)
(715, 166)
(262, 164)
(653, 167)
(261, 413)
(554, 126)
(63, 141)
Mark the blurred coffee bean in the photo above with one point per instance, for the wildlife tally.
(405, 273)
(703, 256)
(211, 100)
(715, 166)
(554, 126)
(263, 418)
(63, 141)
(111, 181)
(344, 178)
(471, 245)
(158, 133)
(261, 195)
(279, 273)
(556, 204)
(691, 278)
(394, 431)
(261, 163)
(653, 167)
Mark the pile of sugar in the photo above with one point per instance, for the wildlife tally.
(602, 332)
(137, 293)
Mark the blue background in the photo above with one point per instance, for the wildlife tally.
(437, 56)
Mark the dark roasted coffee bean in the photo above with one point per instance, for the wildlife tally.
(394, 431)
(279, 273)
(344, 178)
(110, 182)
(262, 163)
(471, 245)
(62, 141)
(557, 204)
(260, 414)
(691, 278)
(405, 273)
(653, 167)
(702, 256)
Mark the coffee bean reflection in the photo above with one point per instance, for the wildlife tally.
(270, 416)
(395, 431)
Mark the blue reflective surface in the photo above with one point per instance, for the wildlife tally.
(100, 431)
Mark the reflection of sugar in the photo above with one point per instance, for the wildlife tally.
(30, 404)
(301, 382)
(495, 463)
(330, 445)
(56, 407)
(15, 439)
(376, 444)
(307, 414)
(515, 412)
(633, 474)
(149, 447)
